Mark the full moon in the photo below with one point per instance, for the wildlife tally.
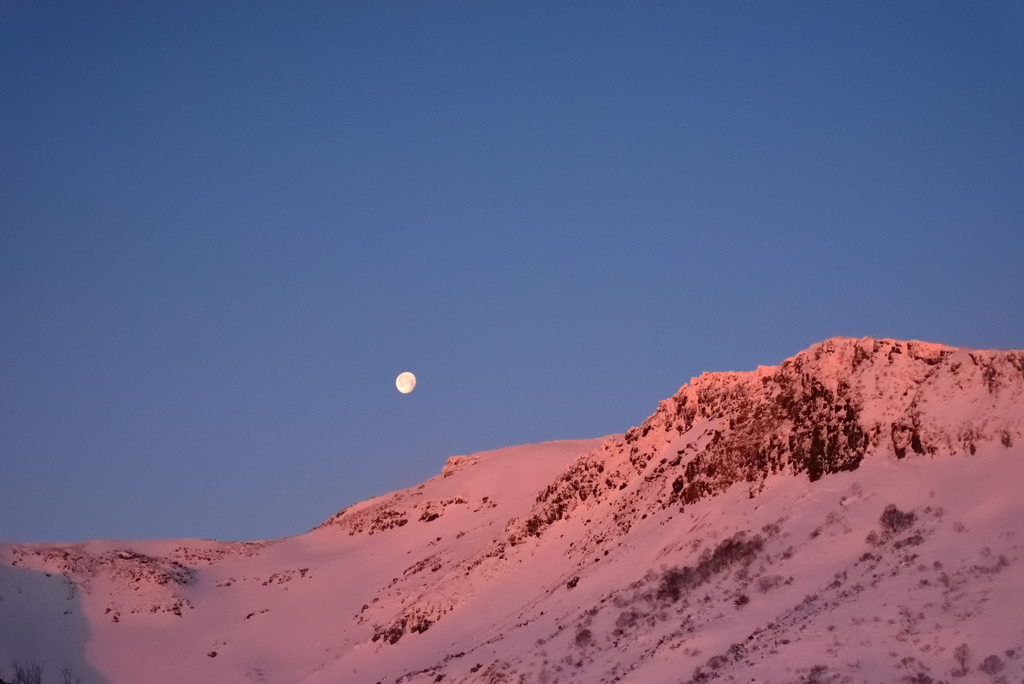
(406, 383)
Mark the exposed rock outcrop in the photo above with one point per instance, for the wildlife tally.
(821, 412)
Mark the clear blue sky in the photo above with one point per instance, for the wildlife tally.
(225, 228)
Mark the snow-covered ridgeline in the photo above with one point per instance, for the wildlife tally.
(820, 412)
(699, 539)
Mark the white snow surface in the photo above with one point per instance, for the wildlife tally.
(739, 534)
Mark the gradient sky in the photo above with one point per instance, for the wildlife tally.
(225, 228)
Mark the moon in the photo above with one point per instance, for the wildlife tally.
(406, 383)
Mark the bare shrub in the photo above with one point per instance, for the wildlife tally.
(28, 673)
(584, 638)
(894, 521)
(699, 676)
(816, 675)
(960, 654)
(912, 540)
(918, 678)
(718, 661)
(626, 620)
(992, 665)
(736, 549)
(68, 676)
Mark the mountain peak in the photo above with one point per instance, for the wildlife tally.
(820, 502)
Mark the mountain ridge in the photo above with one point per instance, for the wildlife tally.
(634, 556)
(800, 411)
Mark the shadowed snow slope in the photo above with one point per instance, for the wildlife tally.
(852, 515)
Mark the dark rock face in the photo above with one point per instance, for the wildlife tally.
(788, 420)
(808, 415)
(820, 412)
(824, 410)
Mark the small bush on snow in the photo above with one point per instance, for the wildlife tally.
(894, 521)
(992, 665)
(960, 654)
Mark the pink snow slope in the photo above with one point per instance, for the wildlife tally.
(852, 515)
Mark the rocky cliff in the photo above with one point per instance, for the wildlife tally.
(852, 514)
(821, 412)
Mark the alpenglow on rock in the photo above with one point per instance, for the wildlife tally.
(851, 514)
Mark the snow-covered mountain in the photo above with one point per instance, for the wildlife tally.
(852, 515)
